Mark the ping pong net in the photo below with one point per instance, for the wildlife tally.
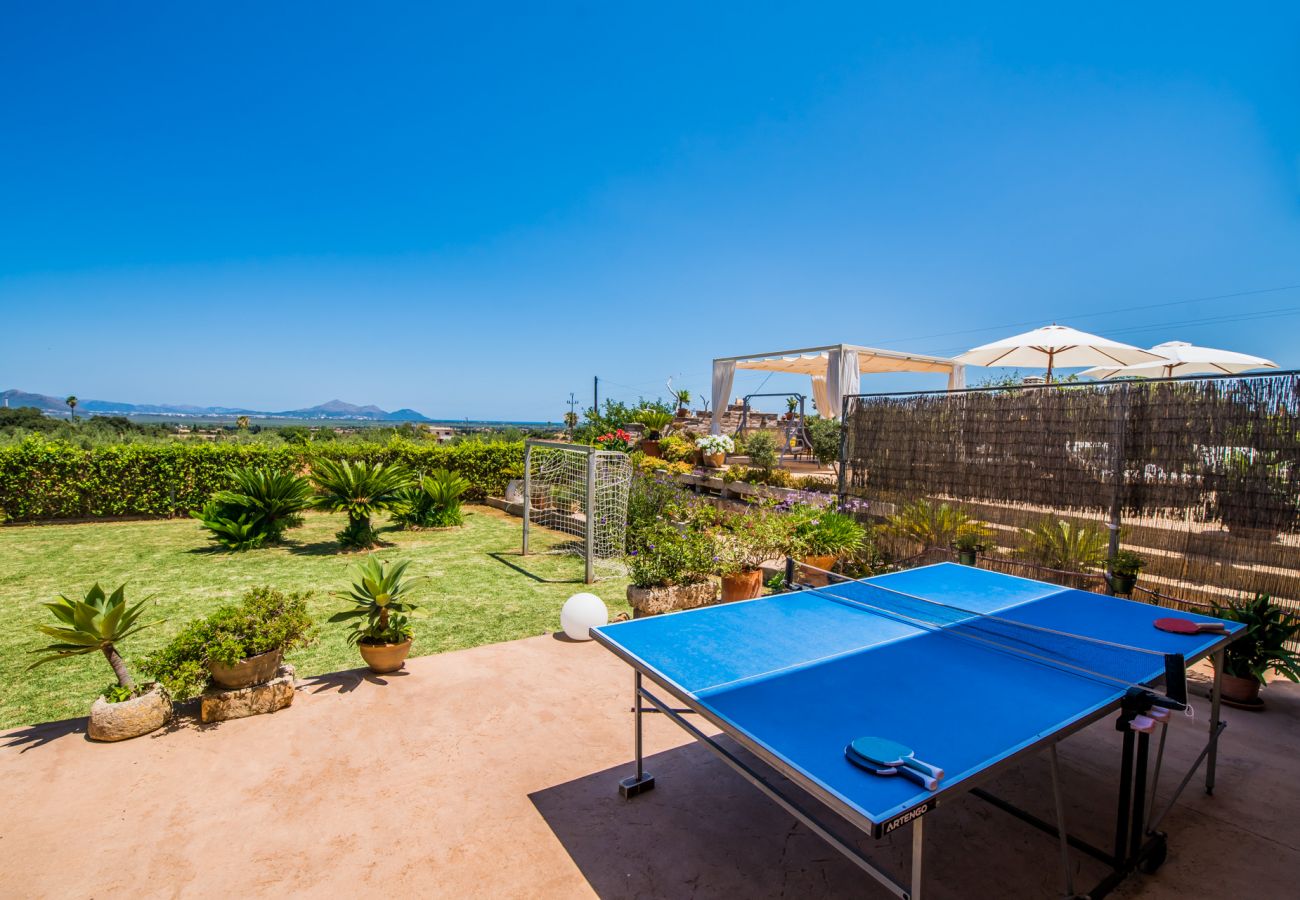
(1009, 631)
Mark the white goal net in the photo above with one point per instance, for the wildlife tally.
(580, 492)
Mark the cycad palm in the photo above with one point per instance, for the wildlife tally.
(359, 489)
(929, 524)
(1059, 544)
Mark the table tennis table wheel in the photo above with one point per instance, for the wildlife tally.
(1156, 858)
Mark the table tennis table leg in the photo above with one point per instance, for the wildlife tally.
(918, 847)
(643, 780)
(1060, 823)
(1215, 693)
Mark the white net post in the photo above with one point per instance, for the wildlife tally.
(580, 491)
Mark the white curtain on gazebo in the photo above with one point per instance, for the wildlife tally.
(724, 373)
(820, 396)
(842, 378)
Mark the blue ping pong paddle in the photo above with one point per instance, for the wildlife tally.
(879, 754)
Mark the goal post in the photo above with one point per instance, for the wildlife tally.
(579, 491)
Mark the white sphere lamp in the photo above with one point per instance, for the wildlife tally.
(581, 613)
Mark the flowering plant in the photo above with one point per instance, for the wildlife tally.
(618, 439)
(668, 556)
(742, 542)
(715, 443)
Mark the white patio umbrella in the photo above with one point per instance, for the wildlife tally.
(1182, 358)
(1057, 346)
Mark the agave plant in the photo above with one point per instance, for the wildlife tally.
(258, 508)
(96, 623)
(1058, 544)
(379, 614)
(433, 502)
(359, 489)
(929, 524)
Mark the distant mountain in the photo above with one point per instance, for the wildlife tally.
(334, 409)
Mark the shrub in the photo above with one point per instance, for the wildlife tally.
(1059, 544)
(656, 464)
(359, 489)
(676, 448)
(257, 509)
(262, 621)
(744, 541)
(50, 479)
(771, 477)
(761, 447)
(667, 556)
(973, 538)
(432, 502)
(651, 503)
(824, 434)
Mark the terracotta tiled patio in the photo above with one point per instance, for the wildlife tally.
(492, 772)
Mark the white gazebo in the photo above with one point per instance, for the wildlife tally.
(835, 371)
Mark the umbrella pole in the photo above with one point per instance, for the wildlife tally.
(1050, 355)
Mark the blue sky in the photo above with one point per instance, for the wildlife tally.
(473, 211)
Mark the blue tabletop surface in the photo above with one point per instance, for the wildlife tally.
(958, 679)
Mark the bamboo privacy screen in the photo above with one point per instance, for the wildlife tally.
(1202, 474)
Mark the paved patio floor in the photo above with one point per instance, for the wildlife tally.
(492, 772)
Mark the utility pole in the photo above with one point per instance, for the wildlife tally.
(595, 392)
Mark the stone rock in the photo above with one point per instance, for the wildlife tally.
(217, 705)
(130, 718)
(652, 601)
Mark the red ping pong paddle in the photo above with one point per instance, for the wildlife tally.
(1189, 626)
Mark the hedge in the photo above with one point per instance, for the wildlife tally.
(41, 479)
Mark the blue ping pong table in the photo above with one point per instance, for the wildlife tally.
(972, 669)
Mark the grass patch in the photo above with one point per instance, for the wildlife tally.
(475, 592)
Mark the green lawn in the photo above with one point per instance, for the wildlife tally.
(472, 597)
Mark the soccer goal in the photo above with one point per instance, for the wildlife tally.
(578, 491)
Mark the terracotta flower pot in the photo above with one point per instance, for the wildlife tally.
(742, 586)
(382, 658)
(650, 448)
(247, 672)
(683, 413)
(1240, 690)
(715, 460)
(818, 579)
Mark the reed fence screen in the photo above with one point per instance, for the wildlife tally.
(1201, 476)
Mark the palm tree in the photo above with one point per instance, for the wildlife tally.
(359, 489)
(72, 405)
(242, 423)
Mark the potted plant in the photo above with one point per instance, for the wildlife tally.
(683, 398)
(381, 627)
(714, 448)
(791, 404)
(669, 570)
(656, 422)
(741, 544)
(970, 542)
(820, 537)
(1260, 647)
(617, 440)
(1122, 571)
(239, 645)
(97, 624)
(929, 524)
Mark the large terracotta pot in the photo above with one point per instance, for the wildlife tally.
(683, 413)
(1240, 690)
(247, 672)
(715, 460)
(817, 579)
(382, 658)
(743, 586)
(650, 448)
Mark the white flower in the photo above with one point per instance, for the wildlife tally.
(716, 443)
